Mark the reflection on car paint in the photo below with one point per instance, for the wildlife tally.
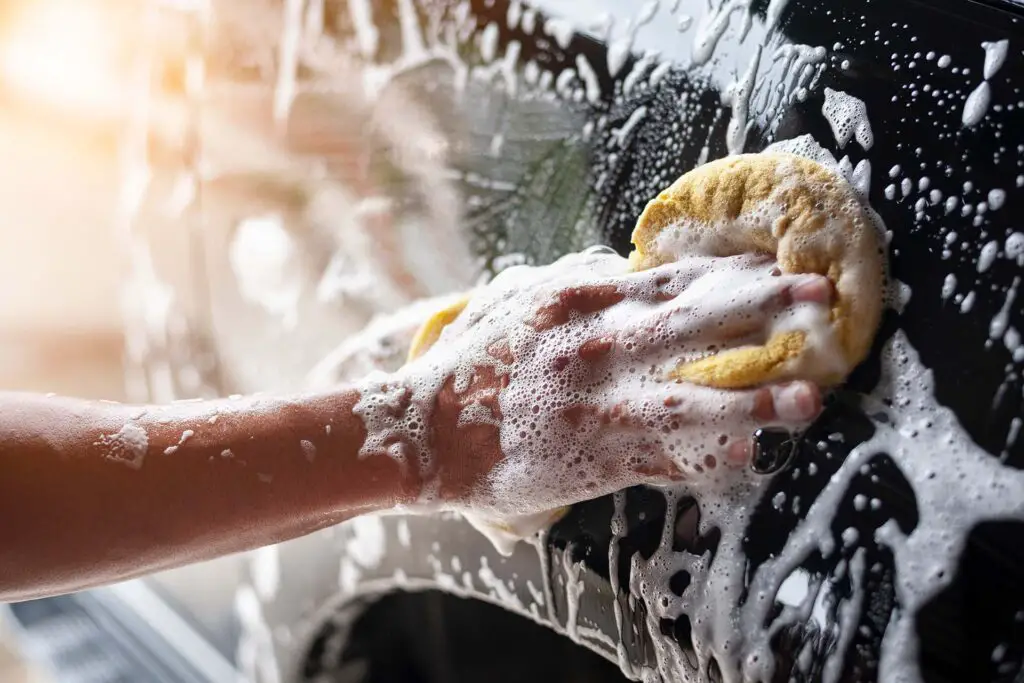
(630, 122)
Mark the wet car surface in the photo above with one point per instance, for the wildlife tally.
(558, 122)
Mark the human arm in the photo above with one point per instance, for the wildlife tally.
(94, 492)
(548, 390)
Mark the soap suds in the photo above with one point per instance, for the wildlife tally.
(996, 198)
(719, 635)
(542, 420)
(976, 105)
(948, 286)
(999, 325)
(589, 77)
(738, 96)
(536, 473)
(848, 117)
(266, 571)
(988, 255)
(1014, 246)
(958, 487)
(713, 25)
(624, 133)
(995, 56)
(128, 446)
(968, 302)
(185, 436)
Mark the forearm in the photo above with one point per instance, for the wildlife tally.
(93, 492)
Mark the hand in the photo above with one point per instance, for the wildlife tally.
(553, 382)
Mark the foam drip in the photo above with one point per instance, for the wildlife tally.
(848, 117)
(957, 486)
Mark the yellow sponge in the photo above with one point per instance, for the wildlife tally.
(430, 331)
(801, 213)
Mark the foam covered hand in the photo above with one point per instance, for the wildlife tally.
(554, 384)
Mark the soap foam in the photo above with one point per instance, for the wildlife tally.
(128, 446)
(957, 485)
(848, 117)
(554, 451)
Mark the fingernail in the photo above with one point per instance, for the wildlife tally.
(794, 403)
(813, 290)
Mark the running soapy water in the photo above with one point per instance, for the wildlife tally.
(738, 93)
(723, 636)
(956, 484)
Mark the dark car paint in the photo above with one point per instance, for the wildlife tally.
(960, 629)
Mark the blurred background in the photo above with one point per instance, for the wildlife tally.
(60, 324)
(206, 197)
(190, 205)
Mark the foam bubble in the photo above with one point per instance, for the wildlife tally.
(848, 117)
(128, 446)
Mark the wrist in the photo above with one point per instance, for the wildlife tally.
(394, 411)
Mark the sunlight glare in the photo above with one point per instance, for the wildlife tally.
(64, 51)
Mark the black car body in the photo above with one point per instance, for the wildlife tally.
(559, 121)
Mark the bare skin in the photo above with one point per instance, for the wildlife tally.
(85, 501)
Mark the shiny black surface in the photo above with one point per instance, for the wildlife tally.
(464, 642)
(555, 187)
(560, 188)
(980, 611)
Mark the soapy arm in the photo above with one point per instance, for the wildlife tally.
(94, 492)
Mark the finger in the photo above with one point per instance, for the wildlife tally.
(794, 403)
(752, 323)
(722, 422)
(583, 300)
(723, 319)
(798, 289)
(791, 404)
(788, 404)
(739, 452)
(704, 430)
(816, 289)
(659, 470)
(667, 281)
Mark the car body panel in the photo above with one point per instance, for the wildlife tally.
(577, 159)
